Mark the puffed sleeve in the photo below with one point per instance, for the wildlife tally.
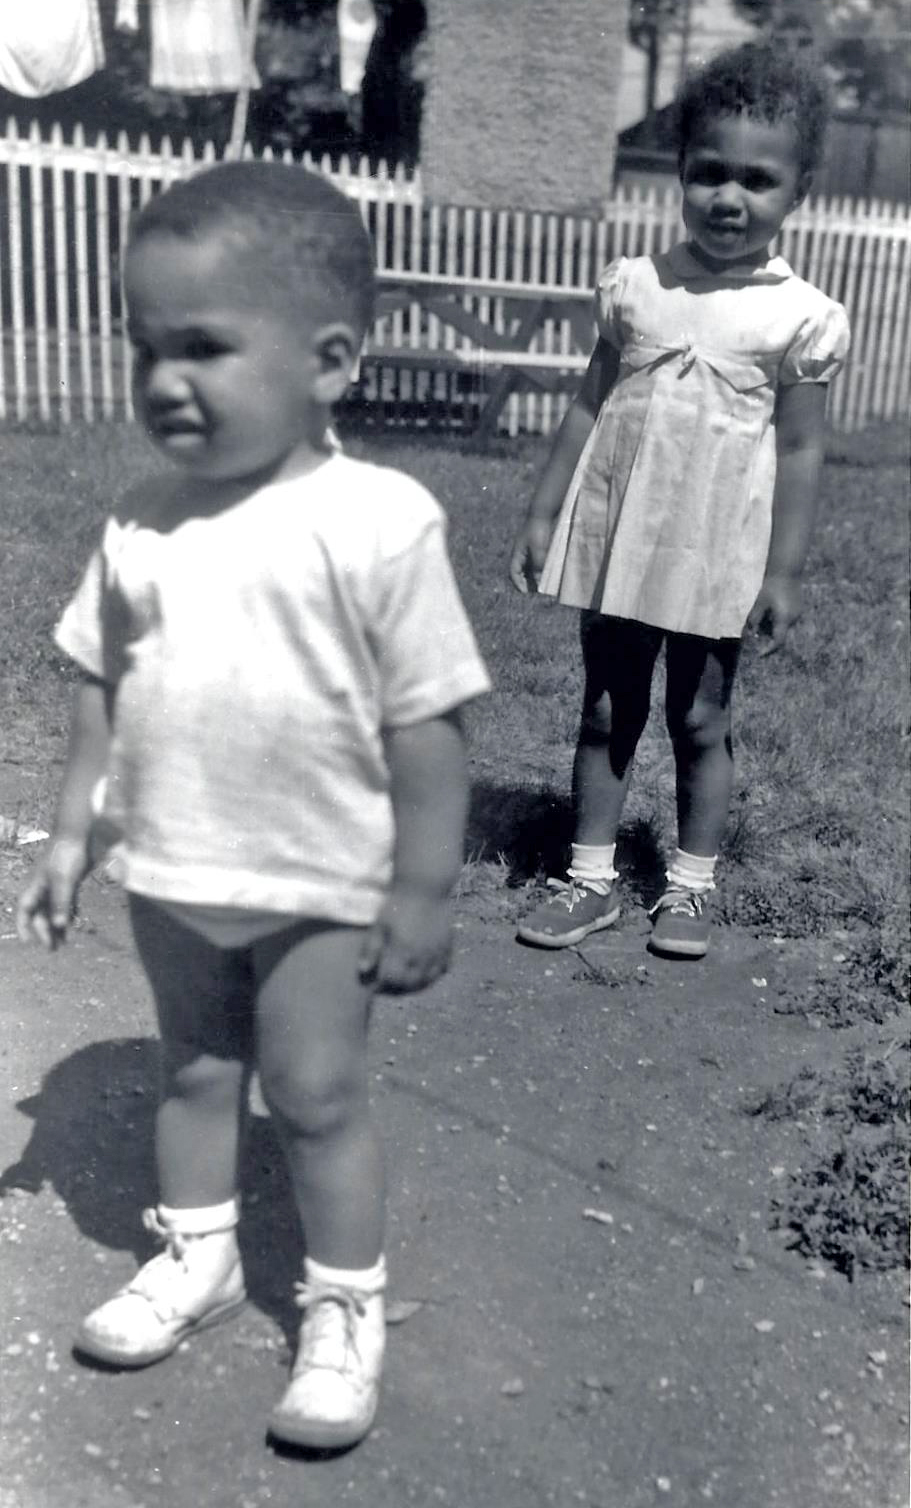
(608, 295)
(817, 352)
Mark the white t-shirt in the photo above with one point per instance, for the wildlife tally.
(258, 650)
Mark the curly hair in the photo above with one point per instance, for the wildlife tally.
(294, 234)
(764, 80)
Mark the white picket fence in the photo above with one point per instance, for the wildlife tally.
(64, 213)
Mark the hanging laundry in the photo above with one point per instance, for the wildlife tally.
(126, 17)
(356, 29)
(48, 47)
(201, 47)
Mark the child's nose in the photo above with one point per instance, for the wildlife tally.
(164, 381)
(728, 193)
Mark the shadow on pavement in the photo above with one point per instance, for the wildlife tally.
(92, 1143)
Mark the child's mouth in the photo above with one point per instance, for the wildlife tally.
(177, 431)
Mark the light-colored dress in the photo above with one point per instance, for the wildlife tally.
(668, 517)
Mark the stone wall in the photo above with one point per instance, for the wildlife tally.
(520, 102)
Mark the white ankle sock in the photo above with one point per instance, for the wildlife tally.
(593, 862)
(365, 1279)
(207, 1221)
(690, 871)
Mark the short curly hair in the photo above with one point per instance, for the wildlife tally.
(297, 236)
(765, 80)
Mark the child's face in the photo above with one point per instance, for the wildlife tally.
(223, 384)
(740, 179)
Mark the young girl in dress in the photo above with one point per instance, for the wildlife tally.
(677, 505)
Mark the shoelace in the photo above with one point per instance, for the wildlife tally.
(568, 892)
(331, 1305)
(680, 903)
(175, 1243)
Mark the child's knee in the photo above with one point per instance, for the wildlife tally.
(701, 726)
(201, 1076)
(604, 718)
(314, 1098)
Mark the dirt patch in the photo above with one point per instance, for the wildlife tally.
(593, 1303)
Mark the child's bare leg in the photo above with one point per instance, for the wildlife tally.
(700, 681)
(311, 1026)
(312, 1014)
(619, 659)
(204, 999)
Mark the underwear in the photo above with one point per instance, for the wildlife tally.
(227, 926)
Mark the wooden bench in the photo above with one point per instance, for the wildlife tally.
(500, 343)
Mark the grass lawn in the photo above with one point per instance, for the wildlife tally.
(818, 836)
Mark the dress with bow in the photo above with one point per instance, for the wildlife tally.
(668, 516)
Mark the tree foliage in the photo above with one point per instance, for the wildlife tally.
(866, 44)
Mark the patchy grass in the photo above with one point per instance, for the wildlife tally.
(818, 837)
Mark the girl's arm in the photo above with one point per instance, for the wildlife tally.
(531, 544)
(47, 903)
(800, 424)
(409, 945)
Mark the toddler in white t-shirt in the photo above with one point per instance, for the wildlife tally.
(274, 655)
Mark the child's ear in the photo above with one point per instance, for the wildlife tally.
(804, 184)
(336, 348)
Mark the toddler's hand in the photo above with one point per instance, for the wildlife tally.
(776, 609)
(529, 553)
(408, 946)
(48, 901)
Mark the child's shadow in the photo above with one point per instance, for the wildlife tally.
(529, 832)
(92, 1142)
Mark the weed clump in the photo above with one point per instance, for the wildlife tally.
(848, 1204)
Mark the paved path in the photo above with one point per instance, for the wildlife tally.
(666, 1348)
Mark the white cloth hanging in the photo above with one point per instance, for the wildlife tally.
(201, 47)
(356, 29)
(49, 45)
(126, 17)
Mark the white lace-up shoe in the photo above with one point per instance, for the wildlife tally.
(331, 1399)
(196, 1281)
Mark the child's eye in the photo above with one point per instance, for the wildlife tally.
(709, 174)
(758, 183)
(202, 348)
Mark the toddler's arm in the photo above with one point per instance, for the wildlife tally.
(47, 903)
(800, 424)
(409, 946)
(530, 548)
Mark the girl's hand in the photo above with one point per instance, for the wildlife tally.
(48, 902)
(409, 945)
(529, 553)
(776, 609)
